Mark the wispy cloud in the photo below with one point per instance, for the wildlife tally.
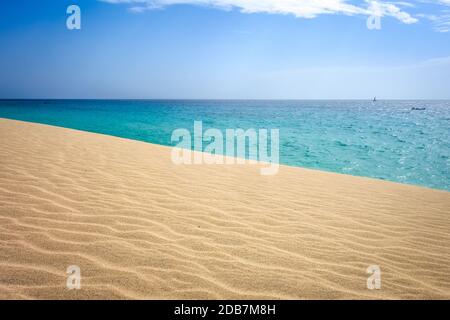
(441, 21)
(312, 8)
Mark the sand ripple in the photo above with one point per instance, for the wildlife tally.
(140, 227)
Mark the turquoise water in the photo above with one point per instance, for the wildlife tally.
(386, 140)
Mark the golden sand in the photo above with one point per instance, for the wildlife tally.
(139, 226)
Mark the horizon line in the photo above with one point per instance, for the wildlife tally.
(222, 99)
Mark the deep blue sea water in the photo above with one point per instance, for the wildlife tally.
(386, 139)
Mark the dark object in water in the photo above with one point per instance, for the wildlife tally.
(418, 109)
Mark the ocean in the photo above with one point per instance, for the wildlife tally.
(397, 140)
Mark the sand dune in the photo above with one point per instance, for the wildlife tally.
(141, 227)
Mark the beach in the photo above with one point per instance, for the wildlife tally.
(141, 227)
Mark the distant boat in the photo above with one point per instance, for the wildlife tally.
(374, 99)
(418, 109)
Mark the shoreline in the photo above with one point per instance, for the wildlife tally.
(260, 163)
(141, 227)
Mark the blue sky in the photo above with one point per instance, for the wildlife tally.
(241, 49)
